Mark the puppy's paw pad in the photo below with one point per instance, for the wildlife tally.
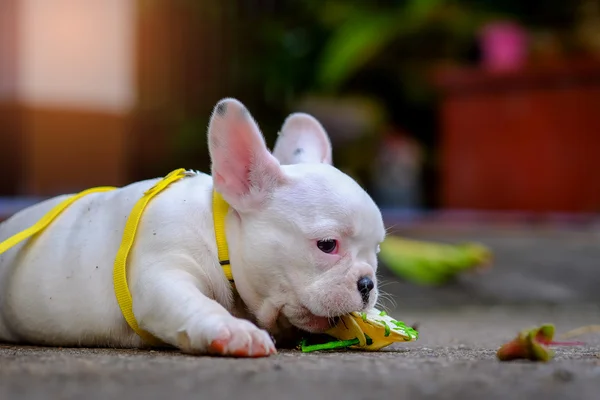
(243, 339)
(218, 346)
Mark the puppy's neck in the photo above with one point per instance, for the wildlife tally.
(240, 309)
(227, 237)
(246, 302)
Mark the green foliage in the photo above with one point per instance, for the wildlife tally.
(397, 36)
(287, 50)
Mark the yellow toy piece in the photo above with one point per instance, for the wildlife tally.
(370, 331)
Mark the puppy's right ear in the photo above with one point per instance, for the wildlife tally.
(244, 172)
(302, 139)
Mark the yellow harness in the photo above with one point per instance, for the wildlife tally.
(121, 288)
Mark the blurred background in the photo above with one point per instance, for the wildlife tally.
(453, 109)
(431, 104)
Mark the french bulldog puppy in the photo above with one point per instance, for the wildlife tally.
(302, 237)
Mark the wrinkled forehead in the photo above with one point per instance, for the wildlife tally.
(321, 195)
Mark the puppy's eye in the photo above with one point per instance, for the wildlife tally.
(327, 245)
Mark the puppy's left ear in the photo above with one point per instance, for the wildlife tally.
(302, 139)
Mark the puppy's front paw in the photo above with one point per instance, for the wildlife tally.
(228, 336)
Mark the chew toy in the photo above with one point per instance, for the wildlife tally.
(532, 344)
(429, 263)
(370, 331)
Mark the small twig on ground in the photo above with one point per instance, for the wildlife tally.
(581, 331)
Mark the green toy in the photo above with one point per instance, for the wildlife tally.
(532, 345)
(370, 331)
(427, 263)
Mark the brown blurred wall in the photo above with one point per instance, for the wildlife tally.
(181, 52)
(527, 140)
(10, 143)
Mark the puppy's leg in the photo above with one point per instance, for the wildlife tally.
(171, 306)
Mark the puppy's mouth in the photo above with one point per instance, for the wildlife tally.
(304, 319)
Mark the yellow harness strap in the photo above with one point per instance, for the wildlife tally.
(122, 293)
(220, 208)
(47, 219)
(120, 267)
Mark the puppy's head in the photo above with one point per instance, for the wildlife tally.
(303, 236)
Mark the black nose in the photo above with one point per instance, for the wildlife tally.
(365, 285)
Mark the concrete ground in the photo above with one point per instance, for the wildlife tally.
(540, 275)
(454, 359)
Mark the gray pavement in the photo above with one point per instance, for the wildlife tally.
(539, 276)
(532, 264)
(454, 359)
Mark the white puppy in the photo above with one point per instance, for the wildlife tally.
(302, 237)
